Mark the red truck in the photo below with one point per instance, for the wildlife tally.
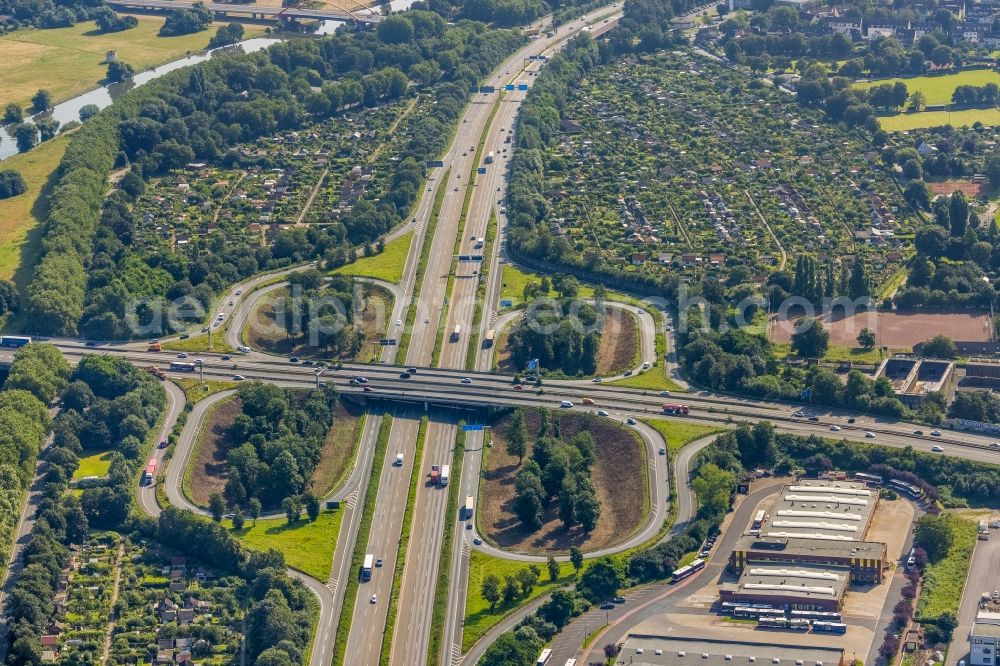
(671, 408)
(156, 372)
(435, 475)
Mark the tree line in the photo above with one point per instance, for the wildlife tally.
(564, 337)
(91, 270)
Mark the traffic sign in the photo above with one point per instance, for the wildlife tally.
(472, 427)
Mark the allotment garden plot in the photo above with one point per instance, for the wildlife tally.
(677, 163)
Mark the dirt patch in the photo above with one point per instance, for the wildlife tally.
(208, 471)
(267, 333)
(618, 475)
(976, 190)
(338, 447)
(892, 329)
(619, 342)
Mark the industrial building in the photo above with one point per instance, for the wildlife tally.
(822, 509)
(982, 373)
(914, 379)
(789, 586)
(865, 561)
(653, 650)
(984, 640)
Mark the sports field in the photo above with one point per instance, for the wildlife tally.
(938, 89)
(895, 329)
(902, 122)
(69, 61)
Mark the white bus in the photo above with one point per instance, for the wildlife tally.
(758, 520)
(544, 657)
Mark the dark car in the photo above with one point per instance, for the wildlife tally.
(162, 445)
(185, 336)
(404, 375)
(918, 432)
(851, 420)
(226, 357)
(619, 600)
(294, 359)
(368, 389)
(814, 418)
(308, 362)
(411, 370)
(607, 605)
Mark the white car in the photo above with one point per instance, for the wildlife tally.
(466, 380)
(244, 349)
(935, 433)
(602, 412)
(373, 600)
(937, 449)
(645, 366)
(238, 378)
(565, 404)
(870, 435)
(596, 380)
(664, 393)
(835, 428)
(399, 322)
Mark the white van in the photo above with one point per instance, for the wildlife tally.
(565, 404)
(399, 460)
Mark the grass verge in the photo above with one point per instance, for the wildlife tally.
(95, 464)
(654, 379)
(944, 581)
(425, 250)
(479, 619)
(195, 391)
(677, 434)
(387, 265)
(307, 545)
(404, 542)
(364, 530)
(203, 343)
(439, 611)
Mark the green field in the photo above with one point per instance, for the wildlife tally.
(20, 215)
(194, 390)
(70, 61)
(307, 546)
(678, 434)
(388, 265)
(515, 280)
(478, 617)
(199, 343)
(654, 379)
(938, 89)
(909, 121)
(95, 464)
(944, 581)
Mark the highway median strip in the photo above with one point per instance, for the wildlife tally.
(404, 542)
(475, 343)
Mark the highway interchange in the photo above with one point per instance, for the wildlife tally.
(439, 393)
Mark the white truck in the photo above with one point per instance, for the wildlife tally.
(445, 473)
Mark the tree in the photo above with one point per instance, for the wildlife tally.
(934, 535)
(292, 507)
(26, 136)
(958, 209)
(940, 346)
(947, 622)
(490, 590)
(576, 558)
(12, 114)
(88, 111)
(517, 436)
(601, 580)
(11, 184)
(553, 568)
(217, 505)
(119, 71)
(108, 20)
(810, 339)
(510, 590)
(526, 579)
(866, 338)
(238, 520)
(230, 33)
(312, 505)
(713, 486)
(42, 100)
(528, 499)
(254, 506)
(558, 609)
(918, 100)
(395, 30)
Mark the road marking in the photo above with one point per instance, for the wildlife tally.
(456, 653)
(332, 585)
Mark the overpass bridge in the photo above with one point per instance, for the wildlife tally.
(225, 10)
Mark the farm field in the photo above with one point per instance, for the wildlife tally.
(618, 476)
(651, 173)
(938, 89)
(20, 215)
(902, 122)
(69, 61)
(894, 329)
(387, 265)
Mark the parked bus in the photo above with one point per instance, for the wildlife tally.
(490, 336)
(906, 488)
(14, 340)
(670, 408)
(826, 616)
(544, 657)
(179, 366)
(366, 568)
(984, 530)
(870, 479)
(758, 520)
(829, 627)
(774, 622)
(688, 570)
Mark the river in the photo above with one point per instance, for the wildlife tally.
(101, 97)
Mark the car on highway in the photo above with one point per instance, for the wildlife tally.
(851, 420)
(602, 412)
(565, 404)
(645, 366)
(226, 357)
(664, 393)
(627, 373)
(814, 418)
(468, 526)
(185, 336)
(293, 359)
(239, 291)
(518, 387)
(360, 380)
(404, 375)
(162, 444)
(368, 389)
(399, 322)
(243, 349)
(596, 380)
(995, 445)
(918, 432)
(619, 600)
(935, 433)
(412, 371)
(466, 380)
(238, 378)
(663, 451)
(378, 562)
(182, 355)
(630, 421)
(373, 600)
(869, 434)
(937, 449)
(835, 428)
(799, 414)
(607, 605)
(477, 541)
(204, 329)
(308, 362)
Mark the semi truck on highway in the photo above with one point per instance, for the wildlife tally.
(445, 473)
(366, 568)
(156, 372)
(456, 333)
(469, 507)
(670, 408)
(435, 475)
(488, 340)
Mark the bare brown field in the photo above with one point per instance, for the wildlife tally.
(893, 329)
(618, 475)
(338, 447)
(207, 469)
(619, 342)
